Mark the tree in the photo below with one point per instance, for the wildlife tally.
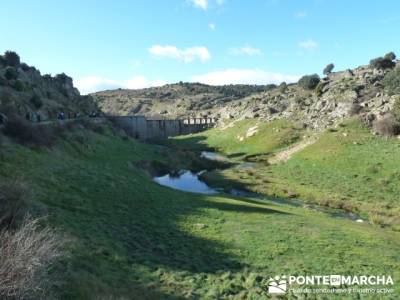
(309, 82)
(36, 101)
(12, 59)
(382, 63)
(390, 56)
(11, 73)
(328, 69)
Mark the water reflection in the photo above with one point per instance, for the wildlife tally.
(185, 181)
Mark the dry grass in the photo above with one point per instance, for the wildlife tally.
(387, 126)
(25, 255)
(27, 133)
(13, 197)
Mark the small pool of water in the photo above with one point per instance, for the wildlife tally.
(189, 182)
(185, 181)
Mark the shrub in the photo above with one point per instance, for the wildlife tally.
(283, 87)
(25, 67)
(391, 81)
(396, 109)
(19, 86)
(387, 126)
(36, 101)
(2, 61)
(328, 69)
(13, 196)
(12, 59)
(355, 108)
(309, 82)
(27, 133)
(382, 63)
(25, 255)
(320, 87)
(390, 56)
(11, 73)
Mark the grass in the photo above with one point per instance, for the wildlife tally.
(232, 140)
(347, 168)
(133, 239)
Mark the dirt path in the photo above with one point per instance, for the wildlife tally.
(285, 155)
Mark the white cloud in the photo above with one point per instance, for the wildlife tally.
(211, 26)
(203, 4)
(300, 15)
(243, 76)
(309, 44)
(91, 84)
(246, 50)
(187, 55)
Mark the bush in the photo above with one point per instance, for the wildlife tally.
(36, 101)
(283, 87)
(27, 133)
(391, 81)
(382, 63)
(13, 196)
(320, 87)
(25, 67)
(11, 73)
(25, 255)
(396, 108)
(355, 108)
(12, 59)
(328, 69)
(390, 56)
(2, 61)
(387, 126)
(309, 82)
(19, 86)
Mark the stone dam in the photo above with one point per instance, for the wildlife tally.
(145, 128)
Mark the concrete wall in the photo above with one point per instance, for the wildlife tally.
(143, 128)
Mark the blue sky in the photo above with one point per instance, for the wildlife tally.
(134, 44)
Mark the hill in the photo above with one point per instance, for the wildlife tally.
(23, 90)
(82, 218)
(334, 98)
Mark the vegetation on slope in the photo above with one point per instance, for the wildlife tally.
(347, 168)
(244, 138)
(132, 238)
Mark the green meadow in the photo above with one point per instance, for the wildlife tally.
(346, 168)
(129, 238)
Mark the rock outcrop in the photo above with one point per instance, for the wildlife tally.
(23, 91)
(338, 96)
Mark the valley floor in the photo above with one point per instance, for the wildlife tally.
(133, 239)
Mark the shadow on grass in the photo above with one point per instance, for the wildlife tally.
(127, 232)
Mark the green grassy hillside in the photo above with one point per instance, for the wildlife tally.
(347, 167)
(132, 238)
(244, 138)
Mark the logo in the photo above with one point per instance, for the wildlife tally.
(336, 284)
(277, 285)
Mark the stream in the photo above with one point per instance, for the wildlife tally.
(189, 181)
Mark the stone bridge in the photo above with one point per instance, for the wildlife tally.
(144, 128)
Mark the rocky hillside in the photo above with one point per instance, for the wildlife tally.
(338, 95)
(24, 90)
(174, 100)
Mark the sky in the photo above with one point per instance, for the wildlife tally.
(105, 44)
